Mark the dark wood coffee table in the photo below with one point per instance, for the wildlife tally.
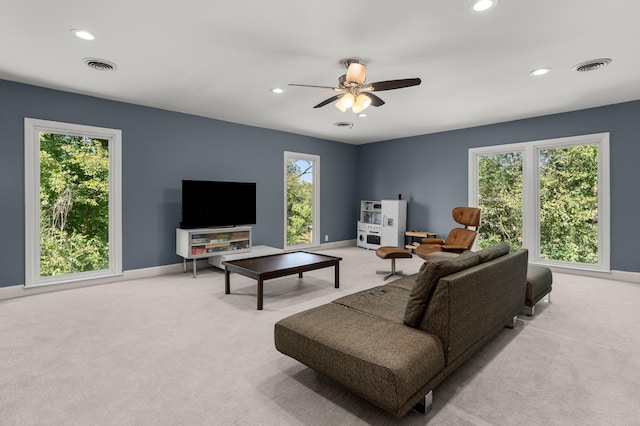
(279, 265)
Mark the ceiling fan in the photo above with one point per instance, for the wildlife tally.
(355, 93)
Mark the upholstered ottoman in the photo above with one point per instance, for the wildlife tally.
(393, 253)
(539, 280)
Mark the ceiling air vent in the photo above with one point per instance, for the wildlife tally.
(592, 65)
(343, 124)
(100, 64)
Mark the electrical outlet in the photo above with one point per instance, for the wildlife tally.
(326, 238)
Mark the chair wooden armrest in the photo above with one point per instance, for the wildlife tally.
(432, 241)
(453, 249)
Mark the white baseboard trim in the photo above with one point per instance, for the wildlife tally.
(20, 291)
(633, 277)
(337, 244)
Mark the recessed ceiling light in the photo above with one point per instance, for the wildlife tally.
(85, 35)
(362, 115)
(277, 90)
(483, 5)
(540, 71)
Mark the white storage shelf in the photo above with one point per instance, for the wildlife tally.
(371, 212)
(206, 242)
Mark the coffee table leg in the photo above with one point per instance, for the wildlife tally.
(227, 286)
(260, 290)
(337, 277)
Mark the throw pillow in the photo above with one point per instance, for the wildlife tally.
(493, 252)
(427, 279)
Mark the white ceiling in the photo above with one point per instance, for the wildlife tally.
(219, 59)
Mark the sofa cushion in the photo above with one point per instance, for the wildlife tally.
(386, 302)
(405, 282)
(493, 252)
(430, 272)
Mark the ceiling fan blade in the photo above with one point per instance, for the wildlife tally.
(393, 84)
(328, 101)
(375, 101)
(311, 85)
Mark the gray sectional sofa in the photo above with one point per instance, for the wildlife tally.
(393, 344)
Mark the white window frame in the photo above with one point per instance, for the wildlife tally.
(315, 231)
(32, 130)
(531, 190)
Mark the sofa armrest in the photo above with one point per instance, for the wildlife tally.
(471, 305)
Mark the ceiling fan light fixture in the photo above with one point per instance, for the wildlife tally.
(355, 94)
(340, 106)
(347, 101)
(361, 103)
(356, 73)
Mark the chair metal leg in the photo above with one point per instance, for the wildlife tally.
(393, 270)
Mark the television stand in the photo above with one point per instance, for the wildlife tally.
(203, 243)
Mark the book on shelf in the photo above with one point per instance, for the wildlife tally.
(218, 244)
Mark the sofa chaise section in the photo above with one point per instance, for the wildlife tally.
(384, 362)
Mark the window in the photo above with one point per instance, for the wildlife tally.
(550, 196)
(73, 202)
(302, 200)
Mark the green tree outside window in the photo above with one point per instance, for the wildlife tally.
(74, 204)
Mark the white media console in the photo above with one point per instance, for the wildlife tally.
(218, 245)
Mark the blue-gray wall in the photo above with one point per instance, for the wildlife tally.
(159, 149)
(431, 171)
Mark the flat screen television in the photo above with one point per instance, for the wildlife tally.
(208, 204)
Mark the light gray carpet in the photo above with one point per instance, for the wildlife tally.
(174, 350)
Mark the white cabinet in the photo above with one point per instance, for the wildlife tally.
(394, 222)
(382, 223)
(206, 242)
